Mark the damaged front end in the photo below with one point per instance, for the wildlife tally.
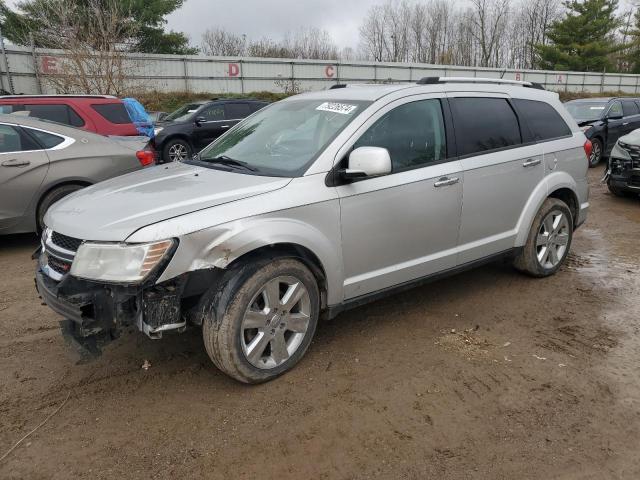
(96, 312)
(623, 171)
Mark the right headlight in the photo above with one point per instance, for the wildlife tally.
(619, 152)
(118, 262)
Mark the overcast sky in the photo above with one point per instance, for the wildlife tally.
(272, 18)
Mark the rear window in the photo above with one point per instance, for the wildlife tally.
(483, 124)
(543, 120)
(48, 140)
(234, 111)
(113, 112)
(59, 113)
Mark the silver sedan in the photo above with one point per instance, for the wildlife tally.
(42, 162)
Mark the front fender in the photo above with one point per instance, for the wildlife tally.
(217, 247)
(549, 184)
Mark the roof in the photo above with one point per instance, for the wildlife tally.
(592, 99)
(56, 96)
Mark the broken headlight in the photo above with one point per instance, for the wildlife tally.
(119, 262)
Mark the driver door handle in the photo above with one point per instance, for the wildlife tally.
(445, 181)
(532, 163)
(14, 162)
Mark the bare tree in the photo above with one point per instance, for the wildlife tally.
(95, 37)
(220, 42)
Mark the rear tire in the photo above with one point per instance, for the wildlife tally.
(596, 152)
(50, 198)
(254, 326)
(549, 240)
(176, 150)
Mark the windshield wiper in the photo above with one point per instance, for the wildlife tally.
(224, 160)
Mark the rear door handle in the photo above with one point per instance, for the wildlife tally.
(532, 163)
(444, 181)
(14, 162)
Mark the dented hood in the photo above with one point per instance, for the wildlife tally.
(114, 209)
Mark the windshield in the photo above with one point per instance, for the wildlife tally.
(183, 113)
(284, 138)
(586, 111)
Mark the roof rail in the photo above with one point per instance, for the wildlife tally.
(65, 95)
(496, 81)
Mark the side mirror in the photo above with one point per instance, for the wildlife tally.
(367, 162)
(200, 120)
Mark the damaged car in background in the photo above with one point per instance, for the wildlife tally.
(313, 205)
(623, 172)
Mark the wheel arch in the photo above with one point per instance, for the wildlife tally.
(559, 185)
(50, 188)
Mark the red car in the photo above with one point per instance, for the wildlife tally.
(103, 114)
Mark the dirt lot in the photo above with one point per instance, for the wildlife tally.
(489, 374)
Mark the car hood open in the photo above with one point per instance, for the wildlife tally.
(114, 209)
(632, 138)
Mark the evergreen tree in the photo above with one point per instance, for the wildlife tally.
(584, 39)
(23, 23)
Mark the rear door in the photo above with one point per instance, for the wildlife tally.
(500, 172)
(23, 167)
(236, 111)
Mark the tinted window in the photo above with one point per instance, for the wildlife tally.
(47, 140)
(542, 119)
(629, 108)
(484, 124)
(6, 108)
(113, 112)
(615, 110)
(413, 134)
(55, 113)
(213, 113)
(236, 110)
(13, 140)
(255, 106)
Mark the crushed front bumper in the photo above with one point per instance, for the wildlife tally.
(95, 313)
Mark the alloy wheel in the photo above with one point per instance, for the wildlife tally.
(552, 239)
(596, 152)
(178, 152)
(275, 322)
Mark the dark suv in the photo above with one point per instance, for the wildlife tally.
(604, 120)
(195, 125)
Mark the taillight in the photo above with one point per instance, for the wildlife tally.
(588, 148)
(145, 157)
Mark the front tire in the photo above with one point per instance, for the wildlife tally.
(260, 324)
(549, 240)
(596, 152)
(177, 150)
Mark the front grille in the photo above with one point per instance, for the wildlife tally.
(634, 153)
(62, 241)
(58, 265)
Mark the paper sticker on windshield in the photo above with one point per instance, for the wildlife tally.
(343, 108)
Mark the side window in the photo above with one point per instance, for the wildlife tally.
(235, 111)
(48, 140)
(75, 120)
(255, 106)
(213, 113)
(413, 133)
(615, 110)
(484, 124)
(14, 140)
(113, 112)
(629, 108)
(542, 119)
(5, 109)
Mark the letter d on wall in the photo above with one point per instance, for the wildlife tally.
(234, 70)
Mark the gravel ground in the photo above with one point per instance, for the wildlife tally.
(488, 374)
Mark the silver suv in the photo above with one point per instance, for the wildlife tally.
(316, 204)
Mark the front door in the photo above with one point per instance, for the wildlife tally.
(615, 125)
(23, 167)
(210, 126)
(402, 226)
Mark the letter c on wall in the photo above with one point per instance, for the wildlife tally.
(329, 71)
